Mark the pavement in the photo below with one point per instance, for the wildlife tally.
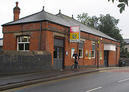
(14, 81)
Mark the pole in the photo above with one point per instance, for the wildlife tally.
(97, 58)
(98, 53)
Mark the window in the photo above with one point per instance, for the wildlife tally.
(80, 52)
(81, 49)
(23, 43)
(93, 50)
(72, 52)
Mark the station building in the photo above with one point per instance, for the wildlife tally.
(43, 31)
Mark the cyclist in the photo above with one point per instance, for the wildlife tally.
(76, 57)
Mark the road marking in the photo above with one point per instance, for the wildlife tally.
(94, 89)
(123, 80)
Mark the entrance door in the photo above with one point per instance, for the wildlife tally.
(58, 54)
(106, 58)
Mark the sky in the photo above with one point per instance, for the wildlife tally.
(67, 7)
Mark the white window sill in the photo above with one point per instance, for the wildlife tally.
(81, 57)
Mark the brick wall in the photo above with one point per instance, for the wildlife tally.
(11, 33)
(9, 42)
(46, 36)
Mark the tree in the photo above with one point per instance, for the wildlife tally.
(84, 18)
(106, 24)
(122, 4)
(87, 20)
(124, 53)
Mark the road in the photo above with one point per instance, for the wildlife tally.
(115, 80)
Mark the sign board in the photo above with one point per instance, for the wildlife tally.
(110, 47)
(74, 34)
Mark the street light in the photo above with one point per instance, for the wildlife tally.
(98, 43)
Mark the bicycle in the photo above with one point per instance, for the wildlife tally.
(75, 67)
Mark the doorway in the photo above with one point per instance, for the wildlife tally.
(58, 54)
(106, 53)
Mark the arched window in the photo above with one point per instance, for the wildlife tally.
(23, 43)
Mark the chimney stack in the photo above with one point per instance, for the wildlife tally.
(16, 11)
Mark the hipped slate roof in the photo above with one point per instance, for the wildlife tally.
(59, 19)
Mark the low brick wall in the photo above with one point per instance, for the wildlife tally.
(24, 62)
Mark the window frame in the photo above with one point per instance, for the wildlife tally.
(93, 51)
(81, 48)
(20, 41)
(81, 53)
(72, 52)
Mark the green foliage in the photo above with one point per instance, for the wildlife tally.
(84, 18)
(106, 24)
(124, 53)
(122, 4)
(87, 20)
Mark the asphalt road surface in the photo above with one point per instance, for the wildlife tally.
(115, 80)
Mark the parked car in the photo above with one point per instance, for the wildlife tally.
(122, 63)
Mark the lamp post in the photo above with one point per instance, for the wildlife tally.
(98, 42)
(98, 47)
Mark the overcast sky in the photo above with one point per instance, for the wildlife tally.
(67, 7)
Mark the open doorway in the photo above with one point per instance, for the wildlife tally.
(106, 54)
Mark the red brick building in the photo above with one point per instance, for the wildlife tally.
(44, 31)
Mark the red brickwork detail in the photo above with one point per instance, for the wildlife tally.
(9, 42)
(34, 41)
(47, 42)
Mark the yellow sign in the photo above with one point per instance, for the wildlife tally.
(74, 36)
